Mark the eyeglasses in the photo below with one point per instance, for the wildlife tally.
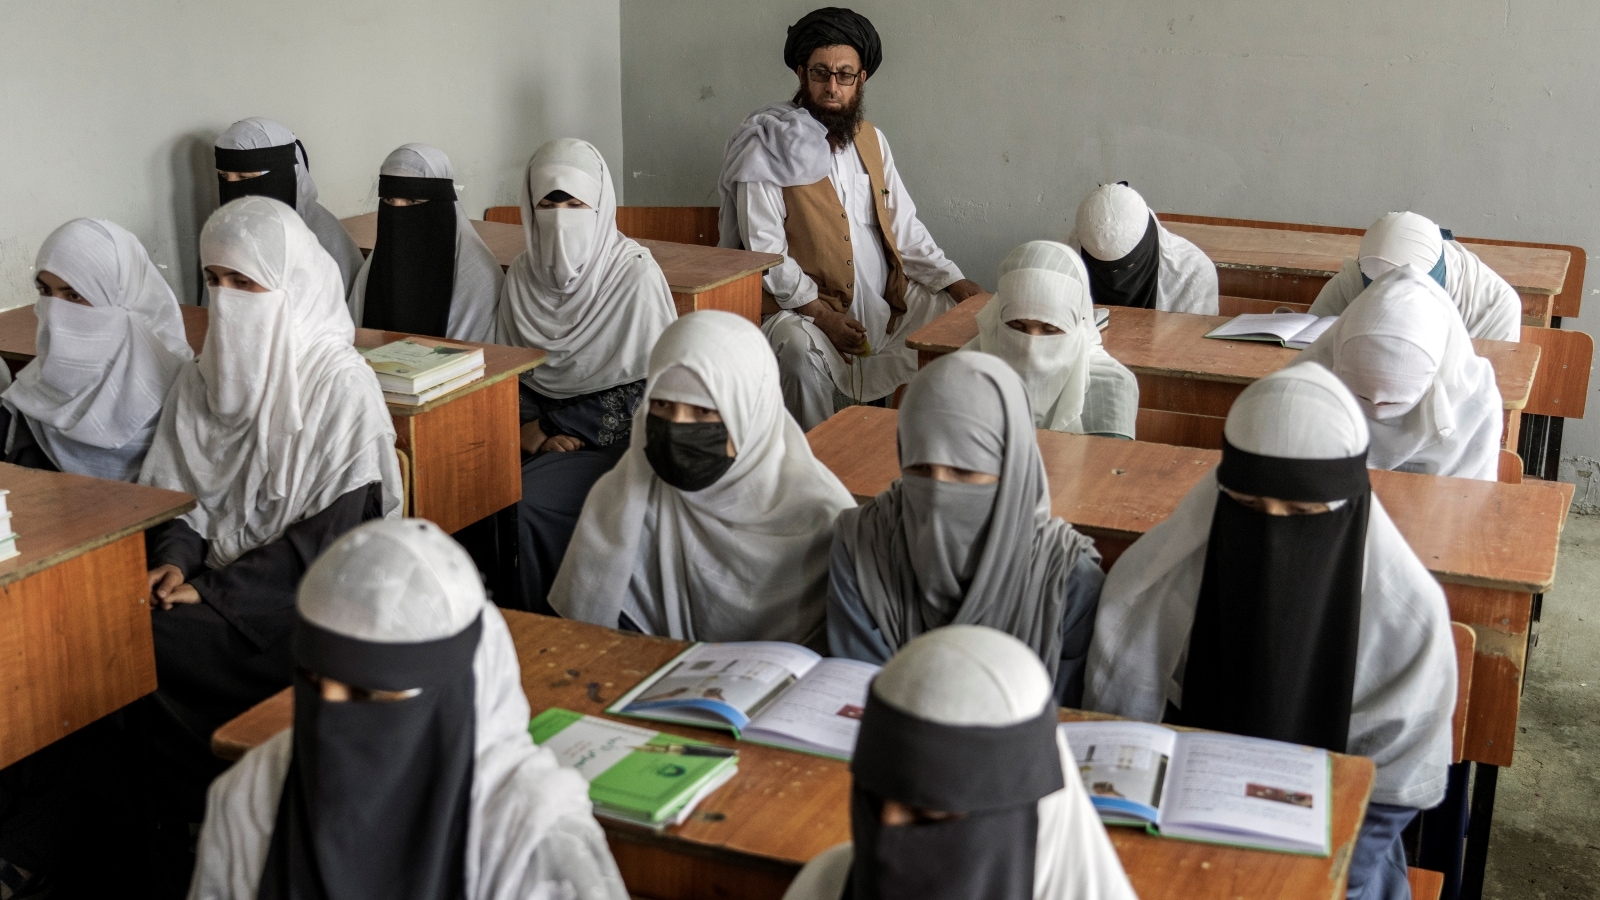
(822, 75)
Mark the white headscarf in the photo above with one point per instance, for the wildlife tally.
(406, 581)
(256, 133)
(478, 273)
(1403, 342)
(1073, 383)
(1400, 239)
(592, 299)
(969, 675)
(1109, 224)
(92, 395)
(1405, 683)
(280, 416)
(743, 559)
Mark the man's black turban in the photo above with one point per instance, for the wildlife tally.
(827, 27)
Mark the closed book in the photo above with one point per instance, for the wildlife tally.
(433, 393)
(8, 546)
(415, 364)
(634, 774)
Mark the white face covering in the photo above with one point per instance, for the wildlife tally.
(236, 371)
(566, 242)
(1389, 375)
(83, 342)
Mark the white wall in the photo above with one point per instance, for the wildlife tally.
(110, 108)
(1003, 114)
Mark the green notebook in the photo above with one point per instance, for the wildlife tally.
(652, 788)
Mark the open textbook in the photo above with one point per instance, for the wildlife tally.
(1204, 786)
(765, 692)
(1293, 330)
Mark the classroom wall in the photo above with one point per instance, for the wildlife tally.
(110, 109)
(1002, 115)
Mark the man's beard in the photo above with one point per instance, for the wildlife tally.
(842, 124)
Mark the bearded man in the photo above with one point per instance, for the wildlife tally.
(815, 182)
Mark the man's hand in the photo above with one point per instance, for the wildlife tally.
(561, 443)
(167, 587)
(963, 289)
(532, 438)
(847, 335)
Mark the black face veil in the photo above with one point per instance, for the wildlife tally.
(277, 182)
(413, 270)
(988, 850)
(1133, 280)
(1273, 650)
(376, 801)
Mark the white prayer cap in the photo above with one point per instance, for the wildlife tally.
(680, 384)
(966, 675)
(250, 235)
(255, 133)
(1393, 344)
(1400, 239)
(566, 164)
(1052, 256)
(393, 581)
(1112, 220)
(1302, 412)
(417, 161)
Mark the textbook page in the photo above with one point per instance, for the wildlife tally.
(820, 713)
(1238, 790)
(718, 685)
(1123, 766)
(1294, 330)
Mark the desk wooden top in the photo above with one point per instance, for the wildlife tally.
(1530, 270)
(1479, 533)
(585, 668)
(59, 516)
(19, 326)
(690, 268)
(1174, 345)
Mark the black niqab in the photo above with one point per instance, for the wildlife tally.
(988, 850)
(413, 271)
(1273, 650)
(377, 797)
(832, 26)
(277, 164)
(1133, 280)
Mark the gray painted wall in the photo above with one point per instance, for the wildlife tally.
(110, 108)
(1002, 115)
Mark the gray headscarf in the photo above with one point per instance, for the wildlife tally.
(929, 553)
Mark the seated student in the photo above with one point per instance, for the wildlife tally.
(280, 433)
(1488, 305)
(259, 157)
(1133, 261)
(963, 785)
(714, 526)
(595, 301)
(429, 272)
(110, 343)
(1041, 322)
(965, 536)
(409, 771)
(1431, 402)
(1280, 601)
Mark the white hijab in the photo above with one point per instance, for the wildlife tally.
(1073, 383)
(1112, 220)
(1405, 684)
(1403, 342)
(969, 675)
(280, 416)
(93, 393)
(405, 581)
(592, 299)
(478, 273)
(743, 559)
(256, 133)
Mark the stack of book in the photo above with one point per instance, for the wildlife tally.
(635, 775)
(416, 370)
(8, 538)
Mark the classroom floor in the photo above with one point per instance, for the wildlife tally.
(1546, 837)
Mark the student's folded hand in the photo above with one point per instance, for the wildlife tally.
(168, 587)
(561, 443)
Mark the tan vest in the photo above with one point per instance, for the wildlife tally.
(818, 231)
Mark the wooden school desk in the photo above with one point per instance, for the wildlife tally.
(76, 644)
(1492, 545)
(750, 838)
(463, 448)
(700, 277)
(1187, 382)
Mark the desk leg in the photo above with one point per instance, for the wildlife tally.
(1501, 620)
(1476, 861)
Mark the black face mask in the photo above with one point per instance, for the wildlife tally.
(1133, 280)
(413, 269)
(279, 182)
(690, 456)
